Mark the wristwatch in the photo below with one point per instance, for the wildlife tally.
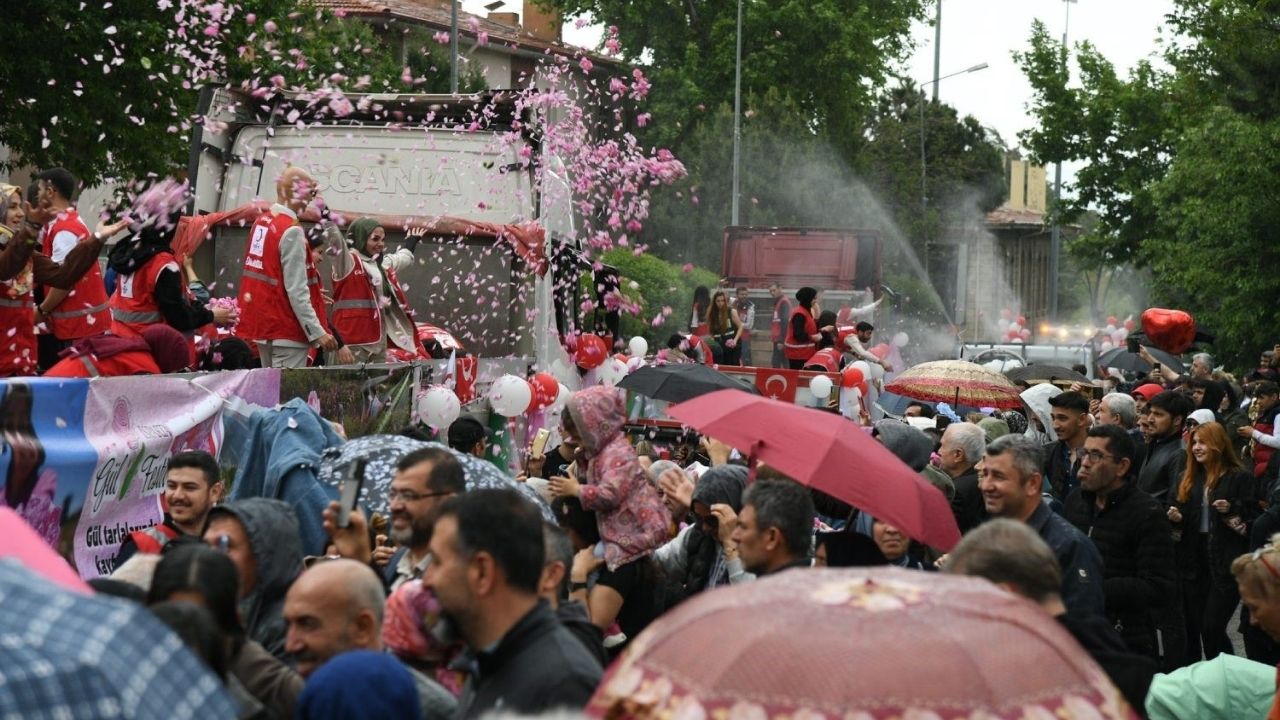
(576, 586)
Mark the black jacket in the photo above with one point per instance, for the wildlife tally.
(1240, 489)
(1079, 559)
(967, 503)
(573, 615)
(1139, 574)
(1162, 469)
(1058, 469)
(537, 666)
(1131, 673)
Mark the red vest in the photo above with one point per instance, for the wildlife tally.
(152, 540)
(17, 325)
(357, 312)
(801, 348)
(267, 314)
(776, 330)
(132, 362)
(698, 350)
(133, 304)
(83, 313)
(828, 359)
(1262, 453)
(842, 333)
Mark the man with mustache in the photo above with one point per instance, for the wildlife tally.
(337, 606)
(424, 479)
(192, 486)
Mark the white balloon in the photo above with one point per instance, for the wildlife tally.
(1119, 336)
(820, 386)
(438, 406)
(510, 395)
(562, 371)
(638, 346)
(863, 367)
(562, 398)
(901, 340)
(612, 372)
(877, 371)
(1015, 327)
(1109, 330)
(1108, 345)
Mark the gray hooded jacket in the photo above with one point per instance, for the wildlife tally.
(272, 528)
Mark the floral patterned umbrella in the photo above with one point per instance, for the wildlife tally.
(958, 382)
(857, 644)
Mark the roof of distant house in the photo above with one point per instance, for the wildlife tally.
(435, 14)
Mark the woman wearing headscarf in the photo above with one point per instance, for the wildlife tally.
(22, 268)
(803, 333)
(701, 556)
(370, 310)
(151, 287)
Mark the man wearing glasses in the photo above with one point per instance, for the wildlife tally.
(424, 480)
(1132, 534)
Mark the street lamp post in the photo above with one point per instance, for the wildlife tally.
(737, 121)
(924, 166)
(1055, 232)
(937, 48)
(453, 46)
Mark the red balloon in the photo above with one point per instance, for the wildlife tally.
(851, 377)
(881, 351)
(1170, 330)
(1022, 319)
(545, 388)
(591, 353)
(623, 357)
(1129, 325)
(863, 389)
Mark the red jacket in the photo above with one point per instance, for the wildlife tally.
(828, 359)
(357, 312)
(133, 304)
(801, 348)
(17, 318)
(83, 312)
(781, 313)
(130, 362)
(263, 299)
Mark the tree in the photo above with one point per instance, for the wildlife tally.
(117, 97)
(1179, 161)
(828, 57)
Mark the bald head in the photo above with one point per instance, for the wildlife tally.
(331, 608)
(295, 189)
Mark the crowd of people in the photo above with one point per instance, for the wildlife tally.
(1139, 528)
(149, 313)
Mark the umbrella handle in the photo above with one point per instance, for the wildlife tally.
(751, 461)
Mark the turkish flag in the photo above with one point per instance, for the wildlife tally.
(778, 384)
(465, 386)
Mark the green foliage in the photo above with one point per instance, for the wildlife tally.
(116, 95)
(657, 284)
(828, 57)
(1180, 163)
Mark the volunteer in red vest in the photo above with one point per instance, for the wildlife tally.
(81, 311)
(160, 349)
(192, 485)
(803, 333)
(855, 343)
(777, 325)
(370, 311)
(280, 291)
(22, 268)
(151, 287)
(1264, 434)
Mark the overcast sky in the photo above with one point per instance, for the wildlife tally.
(978, 31)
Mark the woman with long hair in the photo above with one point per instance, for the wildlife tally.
(1214, 505)
(701, 304)
(726, 328)
(203, 576)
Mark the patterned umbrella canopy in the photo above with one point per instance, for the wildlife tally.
(382, 452)
(858, 644)
(68, 655)
(958, 382)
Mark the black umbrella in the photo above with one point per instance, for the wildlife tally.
(1036, 374)
(1121, 359)
(678, 382)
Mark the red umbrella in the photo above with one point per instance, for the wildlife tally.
(828, 453)
(858, 644)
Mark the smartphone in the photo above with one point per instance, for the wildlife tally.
(349, 491)
(1097, 392)
(539, 447)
